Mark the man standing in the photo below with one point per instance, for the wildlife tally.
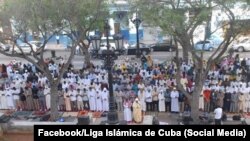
(57, 39)
(92, 99)
(73, 101)
(119, 95)
(174, 101)
(218, 115)
(137, 111)
(79, 97)
(47, 96)
(162, 107)
(41, 99)
(148, 100)
(105, 102)
(85, 99)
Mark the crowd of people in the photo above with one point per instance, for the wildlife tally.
(139, 87)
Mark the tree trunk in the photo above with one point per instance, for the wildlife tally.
(54, 102)
(86, 57)
(195, 103)
(185, 54)
(197, 91)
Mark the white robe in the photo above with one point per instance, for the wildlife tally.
(174, 101)
(148, 96)
(162, 107)
(98, 99)
(105, 100)
(142, 100)
(201, 100)
(247, 102)
(92, 100)
(9, 98)
(3, 103)
(47, 97)
(127, 112)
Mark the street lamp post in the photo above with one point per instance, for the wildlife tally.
(112, 113)
(118, 38)
(137, 23)
(95, 45)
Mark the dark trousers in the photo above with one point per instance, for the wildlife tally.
(155, 105)
(168, 106)
(227, 106)
(86, 105)
(73, 105)
(217, 121)
(149, 106)
(42, 103)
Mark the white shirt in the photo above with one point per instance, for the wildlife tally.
(72, 95)
(218, 113)
(79, 96)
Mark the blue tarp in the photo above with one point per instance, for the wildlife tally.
(132, 37)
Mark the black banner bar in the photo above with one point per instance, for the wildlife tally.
(100, 132)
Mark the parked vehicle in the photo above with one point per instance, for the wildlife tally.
(205, 45)
(25, 48)
(4, 47)
(38, 44)
(244, 45)
(162, 47)
(143, 48)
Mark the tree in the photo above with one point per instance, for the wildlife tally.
(48, 18)
(83, 17)
(171, 17)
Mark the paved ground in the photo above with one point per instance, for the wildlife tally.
(78, 60)
(18, 137)
(25, 134)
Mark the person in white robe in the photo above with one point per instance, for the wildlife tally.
(201, 100)
(241, 102)
(98, 99)
(3, 99)
(85, 99)
(149, 100)
(174, 100)
(79, 97)
(73, 101)
(245, 92)
(9, 99)
(16, 97)
(247, 102)
(105, 100)
(161, 102)
(47, 96)
(248, 108)
(92, 99)
(127, 110)
(98, 86)
(141, 86)
(67, 100)
(248, 91)
(142, 97)
(65, 85)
